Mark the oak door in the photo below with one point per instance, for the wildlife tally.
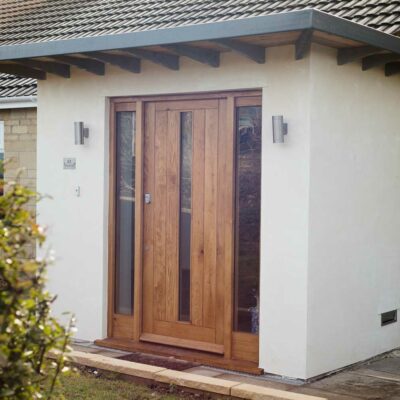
(186, 211)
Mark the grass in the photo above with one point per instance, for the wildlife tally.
(84, 385)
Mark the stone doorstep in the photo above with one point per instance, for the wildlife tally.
(199, 382)
(185, 379)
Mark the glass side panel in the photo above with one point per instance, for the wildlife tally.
(125, 212)
(185, 215)
(247, 232)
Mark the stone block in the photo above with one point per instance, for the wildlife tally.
(21, 145)
(19, 129)
(198, 382)
(115, 365)
(253, 392)
(27, 159)
(17, 114)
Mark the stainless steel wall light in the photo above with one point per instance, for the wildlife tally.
(279, 129)
(80, 132)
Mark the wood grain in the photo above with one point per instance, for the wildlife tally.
(159, 203)
(138, 239)
(148, 219)
(228, 226)
(185, 343)
(156, 291)
(245, 346)
(223, 137)
(210, 216)
(197, 238)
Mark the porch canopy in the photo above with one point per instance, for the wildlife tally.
(204, 42)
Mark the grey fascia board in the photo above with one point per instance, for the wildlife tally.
(273, 23)
(324, 22)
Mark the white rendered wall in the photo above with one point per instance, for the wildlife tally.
(354, 233)
(78, 225)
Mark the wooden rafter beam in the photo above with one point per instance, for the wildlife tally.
(303, 44)
(202, 55)
(93, 66)
(169, 61)
(47, 66)
(129, 63)
(22, 71)
(392, 68)
(350, 54)
(251, 51)
(377, 60)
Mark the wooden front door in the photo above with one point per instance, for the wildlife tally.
(186, 212)
(185, 174)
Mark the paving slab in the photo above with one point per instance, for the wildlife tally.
(107, 353)
(91, 348)
(199, 382)
(365, 387)
(253, 392)
(323, 393)
(84, 349)
(255, 381)
(377, 374)
(204, 371)
(389, 364)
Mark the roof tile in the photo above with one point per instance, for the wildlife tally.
(12, 86)
(29, 21)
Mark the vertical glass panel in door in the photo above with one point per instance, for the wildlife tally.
(125, 212)
(185, 215)
(247, 232)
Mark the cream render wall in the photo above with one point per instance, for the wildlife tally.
(77, 226)
(330, 223)
(354, 212)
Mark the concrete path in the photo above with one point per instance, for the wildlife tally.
(376, 380)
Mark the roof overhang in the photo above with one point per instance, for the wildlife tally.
(308, 20)
(274, 23)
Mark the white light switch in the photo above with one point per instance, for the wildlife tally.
(78, 191)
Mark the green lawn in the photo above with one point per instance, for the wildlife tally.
(86, 386)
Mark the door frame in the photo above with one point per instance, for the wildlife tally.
(236, 344)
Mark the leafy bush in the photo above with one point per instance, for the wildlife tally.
(29, 335)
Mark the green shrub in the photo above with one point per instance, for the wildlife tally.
(28, 333)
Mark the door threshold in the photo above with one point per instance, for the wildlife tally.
(209, 359)
(184, 343)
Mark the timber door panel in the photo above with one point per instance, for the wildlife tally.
(184, 238)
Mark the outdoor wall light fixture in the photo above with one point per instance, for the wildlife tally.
(80, 133)
(279, 129)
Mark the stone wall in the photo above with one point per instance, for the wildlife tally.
(20, 128)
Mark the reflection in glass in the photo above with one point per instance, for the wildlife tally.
(185, 215)
(125, 212)
(247, 237)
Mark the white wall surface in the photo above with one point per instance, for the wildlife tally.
(330, 228)
(77, 226)
(354, 232)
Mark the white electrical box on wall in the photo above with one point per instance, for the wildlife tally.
(69, 163)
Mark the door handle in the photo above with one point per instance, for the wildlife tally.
(147, 198)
